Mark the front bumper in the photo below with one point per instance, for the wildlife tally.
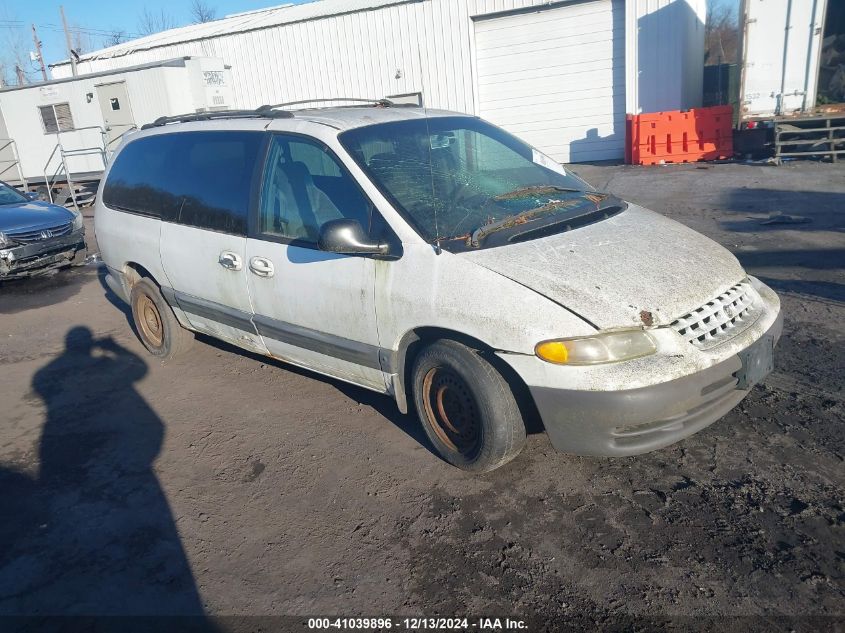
(39, 257)
(618, 422)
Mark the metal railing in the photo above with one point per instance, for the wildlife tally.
(11, 163)
(65, 153)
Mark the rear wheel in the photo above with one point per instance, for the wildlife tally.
(155, 323)
(466, 407)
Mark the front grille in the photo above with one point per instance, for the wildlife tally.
(37, 235)
(720, 319)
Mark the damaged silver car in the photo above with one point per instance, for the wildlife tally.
(37, 237)
(434, 257)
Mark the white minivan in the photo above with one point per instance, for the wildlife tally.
(432, 256)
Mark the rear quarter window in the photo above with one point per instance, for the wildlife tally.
(200, 179)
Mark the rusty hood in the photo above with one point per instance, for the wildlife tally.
(635, 268)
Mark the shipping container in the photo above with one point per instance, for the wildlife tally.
(793, 51)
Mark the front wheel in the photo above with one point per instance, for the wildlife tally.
(466, 407)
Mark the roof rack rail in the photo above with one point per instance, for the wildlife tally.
(384, 103)
(262, 112)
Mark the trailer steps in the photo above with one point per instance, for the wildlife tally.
(83, 192)
(822, 136)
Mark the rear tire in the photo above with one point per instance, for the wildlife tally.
(156, 325)
(466, 407)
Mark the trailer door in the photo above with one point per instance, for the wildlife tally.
(117, 114)
(781, 40)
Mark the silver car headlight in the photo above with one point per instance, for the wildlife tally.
(77, 220)
(610, 347)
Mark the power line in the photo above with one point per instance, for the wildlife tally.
(91, 30)
(8, 24)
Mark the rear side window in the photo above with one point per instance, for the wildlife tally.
(201, 179)
(134, 183)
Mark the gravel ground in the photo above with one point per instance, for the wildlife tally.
(226, 484)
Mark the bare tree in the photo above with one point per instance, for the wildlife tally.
(15, 57)
(721, 34)
(150, 22)
(14, 48)
(117, 36)
(202, 12)
(4, 74)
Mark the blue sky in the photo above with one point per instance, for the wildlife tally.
(98, 17)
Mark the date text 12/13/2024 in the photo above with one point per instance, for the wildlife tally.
(418, 624)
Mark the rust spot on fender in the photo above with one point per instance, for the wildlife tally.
(647, 318)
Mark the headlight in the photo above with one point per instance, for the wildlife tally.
(77, 221)
(4, 241)
(599, 348)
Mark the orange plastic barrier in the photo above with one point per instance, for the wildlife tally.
(679, 136)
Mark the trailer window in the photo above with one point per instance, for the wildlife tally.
(56, 118)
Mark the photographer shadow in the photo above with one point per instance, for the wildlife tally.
(94, 535)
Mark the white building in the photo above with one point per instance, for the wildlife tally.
(560, 74)
(72, 124)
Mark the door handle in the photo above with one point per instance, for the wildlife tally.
(230, 261)
(261, 266)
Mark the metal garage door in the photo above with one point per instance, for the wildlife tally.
(556, 78)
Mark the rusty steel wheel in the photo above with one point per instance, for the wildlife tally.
(155, 323)
(451, 410)
(149, 321)
(466, 407)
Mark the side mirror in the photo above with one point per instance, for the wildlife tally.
(32, 195)
(348, 237)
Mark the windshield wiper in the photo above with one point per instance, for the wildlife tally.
(526, 216)
(535, 190)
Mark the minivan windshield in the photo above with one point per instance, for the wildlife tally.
(458, 180)
(8, 195)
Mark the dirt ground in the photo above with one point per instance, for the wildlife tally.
(226, 484)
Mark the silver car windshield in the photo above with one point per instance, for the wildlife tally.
(453, 176)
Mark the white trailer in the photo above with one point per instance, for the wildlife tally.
(62, 131)
(793, 52)
(781, 43)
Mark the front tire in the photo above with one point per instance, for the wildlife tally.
(466, 407)
(155, 323)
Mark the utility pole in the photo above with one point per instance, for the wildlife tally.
(70, 52)
(38, 52)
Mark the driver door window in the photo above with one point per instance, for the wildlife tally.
(311, 307)
(305, 187)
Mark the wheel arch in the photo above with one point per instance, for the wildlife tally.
(133, 272)
(415, 340)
